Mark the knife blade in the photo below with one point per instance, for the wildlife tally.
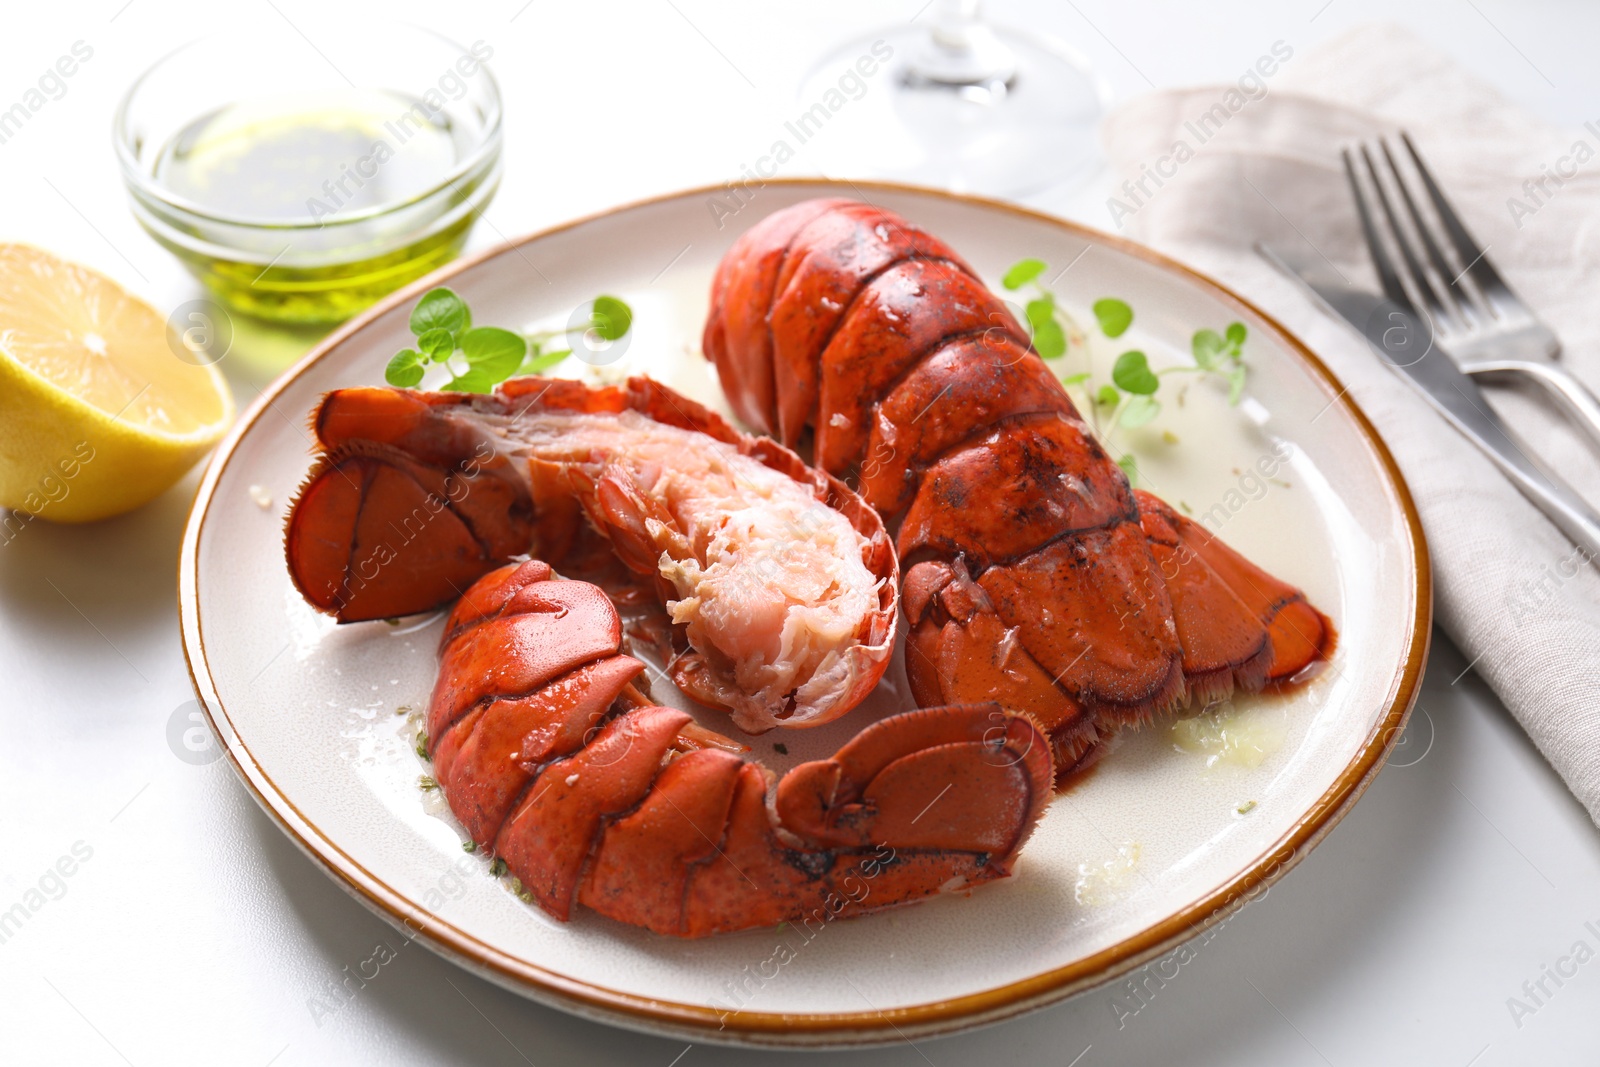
(1407, 343)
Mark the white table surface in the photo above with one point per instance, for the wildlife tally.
(194, 932)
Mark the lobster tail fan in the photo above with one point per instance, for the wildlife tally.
(1240, 627)
(372, 534)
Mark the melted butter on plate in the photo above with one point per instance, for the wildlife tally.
(1233, 734)
(1105, 883)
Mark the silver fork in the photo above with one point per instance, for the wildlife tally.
(1485, 327)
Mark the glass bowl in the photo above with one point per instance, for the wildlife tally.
(302, 176)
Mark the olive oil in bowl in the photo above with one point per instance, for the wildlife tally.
(306, 206)
(308, 156)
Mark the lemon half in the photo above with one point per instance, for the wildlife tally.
(98, 414)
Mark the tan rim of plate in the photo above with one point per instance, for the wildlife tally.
(817, 1030)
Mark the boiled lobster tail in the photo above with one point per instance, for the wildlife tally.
(1033, 574)
(782, 584)
(554, 761)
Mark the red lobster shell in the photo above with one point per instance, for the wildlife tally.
(1034, 574)
(552, 760)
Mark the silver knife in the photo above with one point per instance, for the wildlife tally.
(1406, 343)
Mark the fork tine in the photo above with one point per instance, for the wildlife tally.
(1456, 298)
(1387, 276)
(1414, 270)
(1476, 259)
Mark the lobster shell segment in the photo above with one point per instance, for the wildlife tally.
(1034, 574)
(781, 582)
(593, 797)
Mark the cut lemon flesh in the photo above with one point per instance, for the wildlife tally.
(98, 414)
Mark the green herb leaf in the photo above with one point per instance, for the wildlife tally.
(474, 381)
(1075, 379)
(1132, 374)
(1049, 340)
(1109, 396)
(612, 317)
(539, 362)
(1130, 467)
(1022, 272)
(493, 352)
(440, 309)
(405, 369)
(437, 344)
(1040, 310)
(1236, 334)
(1139, 410)
(1114, 316)
(1236, 384)
(1207, 347)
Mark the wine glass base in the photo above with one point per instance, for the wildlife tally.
(1036, 130)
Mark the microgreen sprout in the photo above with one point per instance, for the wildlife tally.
(480, 357)
(1129, 399)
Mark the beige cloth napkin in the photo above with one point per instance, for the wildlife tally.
(1510, 589)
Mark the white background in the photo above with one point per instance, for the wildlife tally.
(195, 932)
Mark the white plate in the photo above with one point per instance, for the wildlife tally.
(1143, 854)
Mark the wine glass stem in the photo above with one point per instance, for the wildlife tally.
(961, 49)
(954, 19)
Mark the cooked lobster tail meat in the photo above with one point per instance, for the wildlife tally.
(1034, 575)
(553, 760)
(780, 582)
